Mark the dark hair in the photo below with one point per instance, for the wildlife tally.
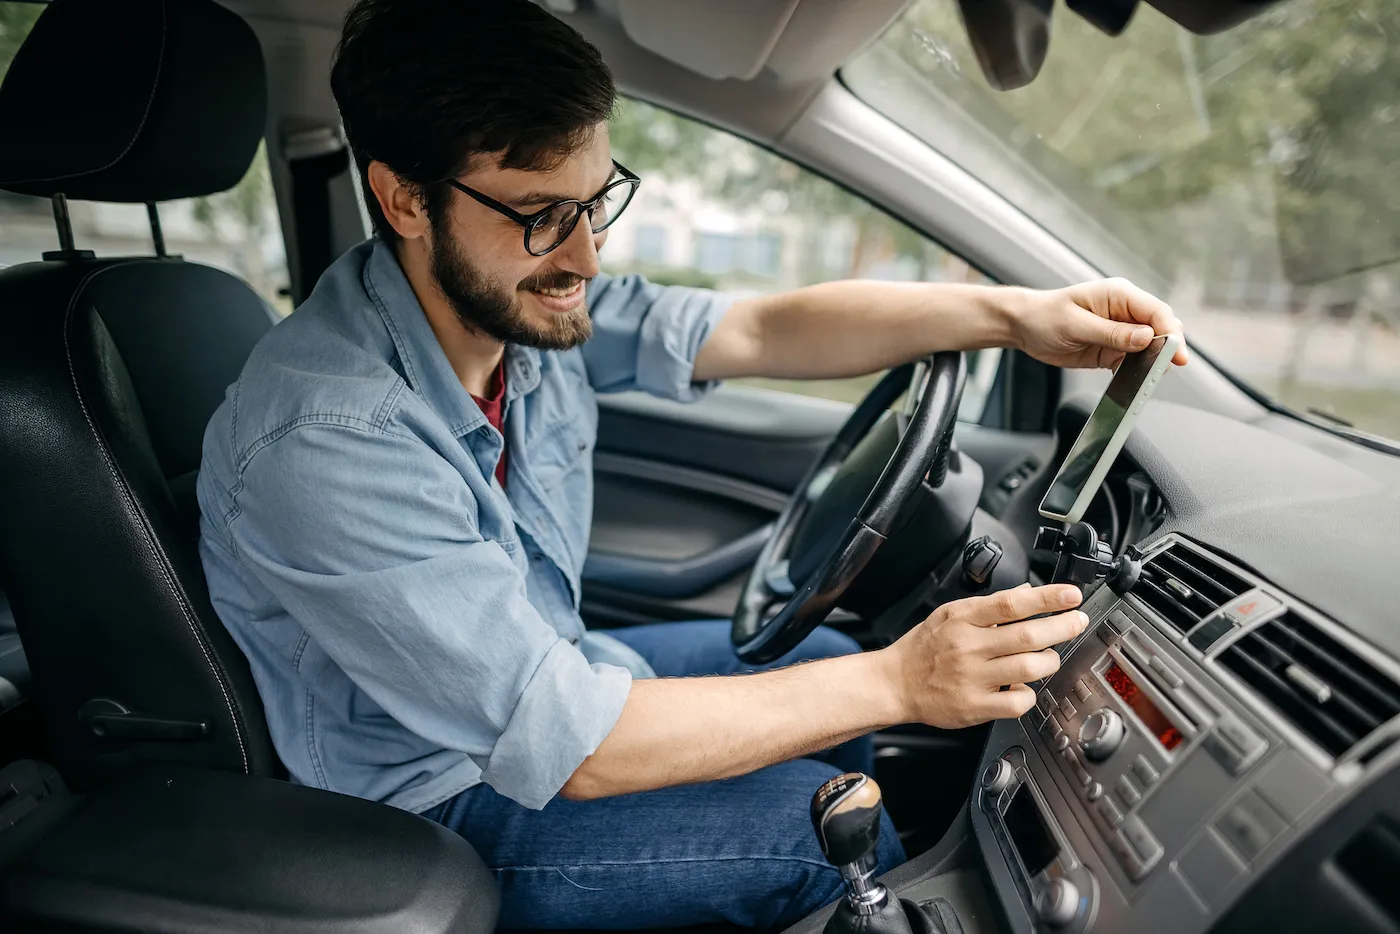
(424, 86)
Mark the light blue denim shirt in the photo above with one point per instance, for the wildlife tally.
(412, 629)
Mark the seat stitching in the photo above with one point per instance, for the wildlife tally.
(143, 520)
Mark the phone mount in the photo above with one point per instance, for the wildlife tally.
(1082, 559)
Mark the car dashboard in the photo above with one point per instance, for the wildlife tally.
(1218, 750)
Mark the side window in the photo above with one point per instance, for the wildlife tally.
(719, 212)
(236, 230)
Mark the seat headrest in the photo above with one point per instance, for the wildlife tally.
(132, 100)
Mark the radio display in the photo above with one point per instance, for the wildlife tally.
(1149, 713)
(1029, 832)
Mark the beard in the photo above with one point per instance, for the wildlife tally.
(485, 305)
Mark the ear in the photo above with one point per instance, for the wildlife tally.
(401, 208)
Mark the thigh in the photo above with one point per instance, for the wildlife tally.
(740, 851)
(703, 647)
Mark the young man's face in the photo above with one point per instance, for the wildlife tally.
(480, 263)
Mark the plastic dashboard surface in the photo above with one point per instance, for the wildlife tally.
(1153, 822)
(1315, 514)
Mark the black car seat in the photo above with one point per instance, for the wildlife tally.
(109, 370)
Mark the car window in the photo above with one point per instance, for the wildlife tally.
(236, 230)
(717, 211)
(1248, 177)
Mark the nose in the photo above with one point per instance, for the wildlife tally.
(578, 253)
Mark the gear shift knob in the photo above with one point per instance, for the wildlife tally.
(846, 816)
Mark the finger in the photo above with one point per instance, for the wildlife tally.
(1033, 635)
(1018, 669)
(1015, 701)
(1145, 308)
(1006, 606)
(1118, 336)
(1131, 317)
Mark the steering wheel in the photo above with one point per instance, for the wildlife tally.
(824, 562)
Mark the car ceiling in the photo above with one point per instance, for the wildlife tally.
(748, 65)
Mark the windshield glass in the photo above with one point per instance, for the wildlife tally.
(1251, 178)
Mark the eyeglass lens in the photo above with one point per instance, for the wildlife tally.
(555, 227)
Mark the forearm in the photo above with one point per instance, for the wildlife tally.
(676, 731)
(840, 329)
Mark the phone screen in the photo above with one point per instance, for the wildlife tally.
(1127, 382)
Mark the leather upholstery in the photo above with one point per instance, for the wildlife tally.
(97, 559)
(132, 100)
(109, 371)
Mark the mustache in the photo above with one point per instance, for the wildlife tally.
(551, 280)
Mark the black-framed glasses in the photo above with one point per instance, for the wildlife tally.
(547, 228)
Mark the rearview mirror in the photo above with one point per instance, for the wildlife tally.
(1009, 37)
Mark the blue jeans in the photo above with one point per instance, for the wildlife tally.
(740, 850)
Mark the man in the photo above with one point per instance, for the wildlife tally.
(396, 498)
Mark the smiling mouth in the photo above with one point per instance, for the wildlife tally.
(559, 299)
(560, 293)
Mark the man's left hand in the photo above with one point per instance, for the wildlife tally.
(1092, 324)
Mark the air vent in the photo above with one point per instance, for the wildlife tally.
(1184, 586)
(1324, 688)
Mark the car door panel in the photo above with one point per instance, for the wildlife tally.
(759, 436)
(685, 496)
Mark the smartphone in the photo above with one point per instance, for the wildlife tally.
(1107, 430)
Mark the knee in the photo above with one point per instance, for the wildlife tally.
(824, 642)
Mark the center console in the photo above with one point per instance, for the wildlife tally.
(1196, 729)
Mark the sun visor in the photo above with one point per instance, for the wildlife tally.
(795, 40)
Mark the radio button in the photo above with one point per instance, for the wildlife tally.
(1110, 813)
(1045, 701)
(1061, 742)
(1172, 679)
(1076, 767)
(1067, 709)
(1101, 734)
(1127, 790)
(1145, 847)
(997, 776)
(1083, 691)
(1058, 903)
(1094, 791)
(1234, 745)
(1144, 770)
(1251, 825)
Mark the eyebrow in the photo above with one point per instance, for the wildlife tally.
(549, 197)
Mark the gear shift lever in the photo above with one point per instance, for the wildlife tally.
(846, 816)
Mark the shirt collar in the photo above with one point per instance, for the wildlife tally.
(425, 365)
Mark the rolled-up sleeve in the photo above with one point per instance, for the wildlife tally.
(369, 539)
(647, 336)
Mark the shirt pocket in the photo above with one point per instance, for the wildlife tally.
(563, 448)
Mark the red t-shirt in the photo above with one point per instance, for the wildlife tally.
(494, 410)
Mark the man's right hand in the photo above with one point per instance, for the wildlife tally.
(945, 672)
(951, 667)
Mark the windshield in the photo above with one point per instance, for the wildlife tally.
(1252, 178)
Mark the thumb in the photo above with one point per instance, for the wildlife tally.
(1120, 335)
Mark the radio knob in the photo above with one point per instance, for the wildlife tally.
(1058, 903)
(997, 776)
(1102, 732)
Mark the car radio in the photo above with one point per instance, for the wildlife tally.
(1142, 791)
(1049, 873)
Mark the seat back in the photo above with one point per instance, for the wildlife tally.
(109, 371)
